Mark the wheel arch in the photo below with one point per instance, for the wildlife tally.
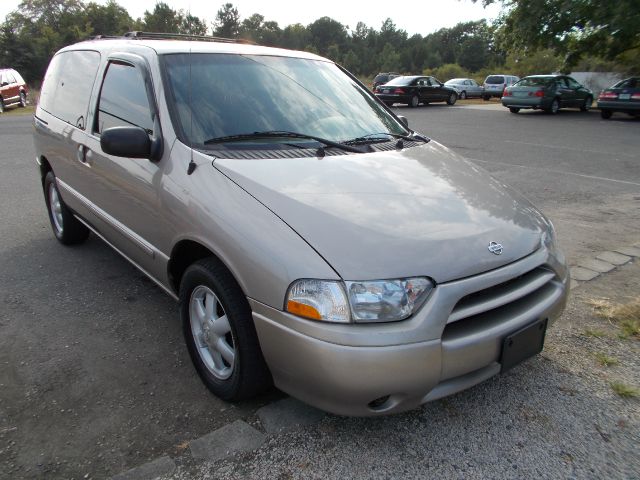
(186, 252)
(44, 166)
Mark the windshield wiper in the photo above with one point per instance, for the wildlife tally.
(281, 134)
(365, 139)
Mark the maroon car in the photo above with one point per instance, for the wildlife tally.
(13, 89)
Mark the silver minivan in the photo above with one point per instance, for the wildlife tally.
(311, 239)
(494, 85)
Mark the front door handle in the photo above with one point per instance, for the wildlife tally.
(81, 154)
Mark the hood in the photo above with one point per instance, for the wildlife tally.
(422, 211)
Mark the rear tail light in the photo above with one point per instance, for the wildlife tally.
(635, 96)
(539, 93)
(608, 96)
(398, 90)
(506, 93)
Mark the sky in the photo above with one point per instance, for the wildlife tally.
(423, 17)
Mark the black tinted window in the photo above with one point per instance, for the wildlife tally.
(632, 82)
(123, 99)
(67, 85)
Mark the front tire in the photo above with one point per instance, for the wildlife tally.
(486, 97)
(463, 95)
(23, 99)
(554, 107)
(452, 99)
(1, 106)
(514, 109)
(415, 101)
(66, 228)
(219, 332)
(606, 114)
(587, 104)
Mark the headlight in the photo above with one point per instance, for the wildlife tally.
(363, 302)
(318, 300)
(549, 236)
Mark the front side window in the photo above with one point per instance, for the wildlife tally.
(217, 95)
(572, 83)
(123, 99)
(68, 84)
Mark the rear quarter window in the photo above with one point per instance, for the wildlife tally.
(68, 84)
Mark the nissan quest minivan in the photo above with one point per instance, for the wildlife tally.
(311, 238)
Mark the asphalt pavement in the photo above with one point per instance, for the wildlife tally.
(95, 379)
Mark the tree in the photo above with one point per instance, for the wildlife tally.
(326, 32)
(227, 22)
(572, 28)
(109, 19)
(163, 19)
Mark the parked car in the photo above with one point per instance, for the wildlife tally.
(389, 274)
(13, 89)
(547, 92)
(382, 78)
(623, 97)
(494, 85)
(465, 87)
(414, 90)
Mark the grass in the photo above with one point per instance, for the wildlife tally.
(626, 316)
(589, 332)
(623, 390)
(605, 360)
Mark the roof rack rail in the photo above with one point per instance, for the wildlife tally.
(180, 36)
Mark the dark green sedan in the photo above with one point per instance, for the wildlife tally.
(547, 92)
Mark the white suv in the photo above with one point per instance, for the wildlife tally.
(494, 85)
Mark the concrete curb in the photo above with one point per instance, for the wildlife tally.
(591, 268)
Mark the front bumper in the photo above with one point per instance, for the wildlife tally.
(452, 343)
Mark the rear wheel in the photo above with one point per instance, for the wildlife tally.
(67, 228)
(486, 97)
(514, 109)
(452, 99)
(219, 331)
(587, 104)
(23, 99)
(415, 101)
(606, 114)
(388, 104)
(555, 106)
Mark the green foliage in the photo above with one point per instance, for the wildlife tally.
(572, 28)
(531, 63)
(227, 22)
(447, 72)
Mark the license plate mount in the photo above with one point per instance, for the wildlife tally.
(523, 343)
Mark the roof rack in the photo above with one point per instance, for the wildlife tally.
(178, 36)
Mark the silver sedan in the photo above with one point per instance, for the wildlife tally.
(466, 87)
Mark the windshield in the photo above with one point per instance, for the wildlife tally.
(220, 95)
(494, 79)
(534, 82)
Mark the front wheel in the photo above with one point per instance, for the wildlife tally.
(389, 104)
(452, 99)
(514, 109)
(587, 104)
(23, 99)
(219, 331)
(463, 95)
(1, 106)
(67, 228)
(414, 101)
(486, 97)
(606, 114)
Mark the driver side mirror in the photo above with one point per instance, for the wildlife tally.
(131, 142)
(404, 120)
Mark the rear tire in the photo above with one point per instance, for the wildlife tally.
(514, 109)
(389, 104)
(219, 332)
(606, 114)
(486, 97)
(587, 104)
(66, 228)
(415, 101)
(452, 99)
